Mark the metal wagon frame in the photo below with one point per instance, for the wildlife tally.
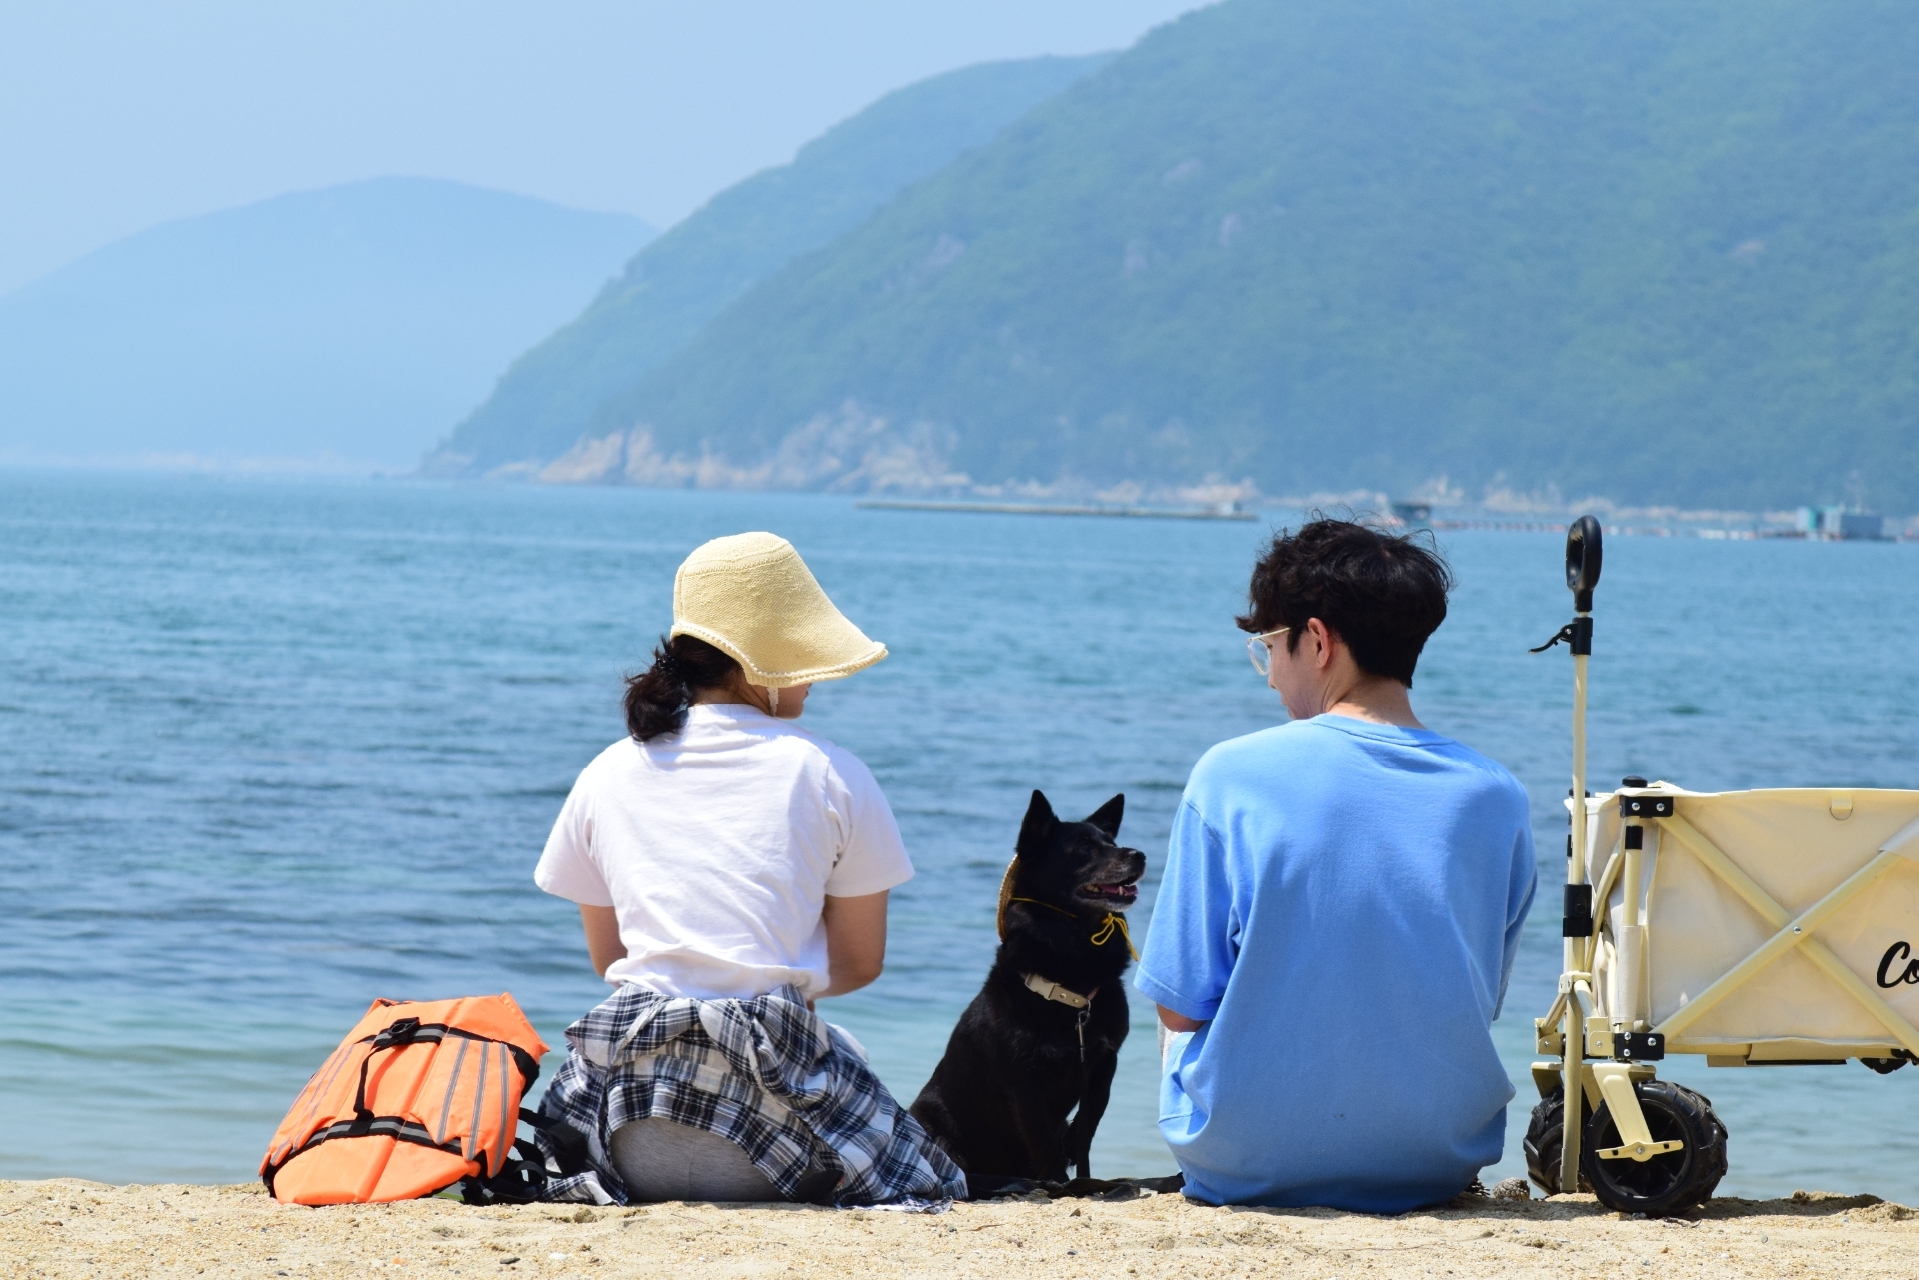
(1765, 911)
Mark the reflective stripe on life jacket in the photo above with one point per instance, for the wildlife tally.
(417, 1097)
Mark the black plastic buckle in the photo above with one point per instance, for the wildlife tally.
(1578, 920)
(1639, 1046)
(400, 1031)
(1645, 806)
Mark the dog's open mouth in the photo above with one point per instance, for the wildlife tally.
(1121, 895)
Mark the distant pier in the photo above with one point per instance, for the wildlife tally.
(1223, 511)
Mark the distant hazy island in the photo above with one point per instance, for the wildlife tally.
(321, 328)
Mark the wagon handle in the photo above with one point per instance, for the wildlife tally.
(1583, 554)
(1583, 558)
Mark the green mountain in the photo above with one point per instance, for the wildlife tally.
(687, 276)
(1662, 252)
(343, 326)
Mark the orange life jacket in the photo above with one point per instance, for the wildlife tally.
(417, 1097)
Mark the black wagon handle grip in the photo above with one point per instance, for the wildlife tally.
(1583, 557)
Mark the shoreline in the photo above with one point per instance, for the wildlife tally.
(67, 1227)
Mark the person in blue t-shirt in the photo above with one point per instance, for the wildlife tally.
(1340, 908)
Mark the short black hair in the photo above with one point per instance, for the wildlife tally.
(1381, 593)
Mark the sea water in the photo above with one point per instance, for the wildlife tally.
(270, 749)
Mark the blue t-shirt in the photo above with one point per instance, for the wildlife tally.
(1341, 906)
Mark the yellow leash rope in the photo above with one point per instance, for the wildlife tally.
(1101, 936)
(1113, 921)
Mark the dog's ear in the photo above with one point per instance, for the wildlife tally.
(1037, 829)
(1108, 815)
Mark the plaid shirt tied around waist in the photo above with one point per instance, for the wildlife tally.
(767, 1074)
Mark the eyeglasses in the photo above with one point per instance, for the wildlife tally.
(1262, 656)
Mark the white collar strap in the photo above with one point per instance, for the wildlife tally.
(1053, 991)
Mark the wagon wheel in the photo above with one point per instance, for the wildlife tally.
(1665, 1184)
(1544, 1139)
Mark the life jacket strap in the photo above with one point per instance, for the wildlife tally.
(406, 1031)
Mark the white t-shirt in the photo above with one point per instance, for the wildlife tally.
(717, 846)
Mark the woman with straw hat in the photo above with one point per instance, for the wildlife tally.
(731, 868)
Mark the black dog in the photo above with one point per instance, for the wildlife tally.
(1042, 1037)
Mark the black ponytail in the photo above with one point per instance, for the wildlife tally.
(657, 698)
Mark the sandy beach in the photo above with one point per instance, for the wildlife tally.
(68, 1227)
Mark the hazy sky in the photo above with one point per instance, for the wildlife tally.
(115, 116)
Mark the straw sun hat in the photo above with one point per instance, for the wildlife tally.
(753, 598)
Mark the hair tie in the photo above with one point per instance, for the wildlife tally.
(669, 666)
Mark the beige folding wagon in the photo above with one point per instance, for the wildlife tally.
(1758, 928)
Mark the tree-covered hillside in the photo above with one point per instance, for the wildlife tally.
(690, 274)
(1666, 251)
